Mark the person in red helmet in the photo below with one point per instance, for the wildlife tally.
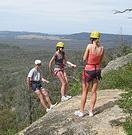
(60, 60)
(34, 80)
(91, 74)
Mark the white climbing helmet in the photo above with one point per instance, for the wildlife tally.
(37, 62)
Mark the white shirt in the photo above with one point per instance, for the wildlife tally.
(35, 74)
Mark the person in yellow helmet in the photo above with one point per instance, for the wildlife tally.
(60, 60)
(91, 74)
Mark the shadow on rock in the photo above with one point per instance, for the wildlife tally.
(102, 108)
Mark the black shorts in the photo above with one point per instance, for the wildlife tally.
(36, 85)
(91, 75)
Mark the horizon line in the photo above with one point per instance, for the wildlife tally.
(58, 33)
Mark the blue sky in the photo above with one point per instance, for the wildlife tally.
(65, 16)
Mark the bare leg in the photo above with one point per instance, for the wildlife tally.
(39, 94)
(65, 76)
(45, 94)
(94, 94)
(63, 83)
(84, 96)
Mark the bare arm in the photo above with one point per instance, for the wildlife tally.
(69, 63)
(29, 82)
(50, 63)
(44, 80)
(29, 79)
(86, 54)
(102, 55)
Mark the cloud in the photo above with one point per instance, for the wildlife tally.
(52, 14)
(59, 7)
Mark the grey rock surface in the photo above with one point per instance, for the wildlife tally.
(117, 63)
(62, 121)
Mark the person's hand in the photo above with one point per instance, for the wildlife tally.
(74, 66)
(47, 81)
(29, 85)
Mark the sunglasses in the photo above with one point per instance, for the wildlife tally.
(39, 64)
(62, 47)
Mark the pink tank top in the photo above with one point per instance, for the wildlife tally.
(92, 61)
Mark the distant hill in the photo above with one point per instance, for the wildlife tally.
(74, 40)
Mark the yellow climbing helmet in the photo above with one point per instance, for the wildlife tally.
(60, 44)
(95, 34)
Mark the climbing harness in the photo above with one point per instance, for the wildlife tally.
(88, 75)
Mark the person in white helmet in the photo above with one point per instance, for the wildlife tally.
(34, 80)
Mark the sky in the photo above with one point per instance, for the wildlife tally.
(65, 16)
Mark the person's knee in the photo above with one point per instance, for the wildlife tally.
(64, 83)
(84, 91)
(94, 92)
(45, 92)
(39, 95)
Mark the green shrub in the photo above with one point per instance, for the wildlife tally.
(7, 124)
(128, 126)
(122, 79)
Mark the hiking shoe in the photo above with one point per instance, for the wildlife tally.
(64, 98)
(79, 114)
(48, 109)
(91, 114)
(52, 106)
(68, 96)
